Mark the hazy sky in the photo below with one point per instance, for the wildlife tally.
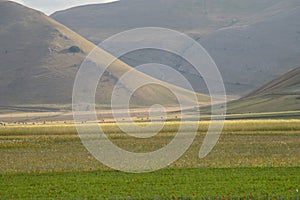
(50, 6)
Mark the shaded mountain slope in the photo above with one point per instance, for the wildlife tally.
(252, 42)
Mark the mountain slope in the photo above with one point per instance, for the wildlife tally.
(33, 67)
(281, 94)
(97, 22)
(287, 84)
(39, 59)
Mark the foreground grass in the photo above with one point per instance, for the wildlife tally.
(246, 183)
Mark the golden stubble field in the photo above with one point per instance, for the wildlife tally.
(56, 147)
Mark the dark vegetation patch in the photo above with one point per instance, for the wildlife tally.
(72, 49)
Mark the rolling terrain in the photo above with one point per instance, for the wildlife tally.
(251, 42)
(39, 59)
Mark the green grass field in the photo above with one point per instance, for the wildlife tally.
(232, 183)
(254, 159)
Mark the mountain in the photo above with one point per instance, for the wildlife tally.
(281, 94)
(252, 42)
(39, 59)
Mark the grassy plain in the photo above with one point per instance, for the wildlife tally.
(253, 158)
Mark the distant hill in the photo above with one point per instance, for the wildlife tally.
(252, 42)
(39, 58)
(261, 49)
(287, 84)
(281, 94)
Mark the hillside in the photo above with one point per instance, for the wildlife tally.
(252, 42)
(39, 59)
(281, 94)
